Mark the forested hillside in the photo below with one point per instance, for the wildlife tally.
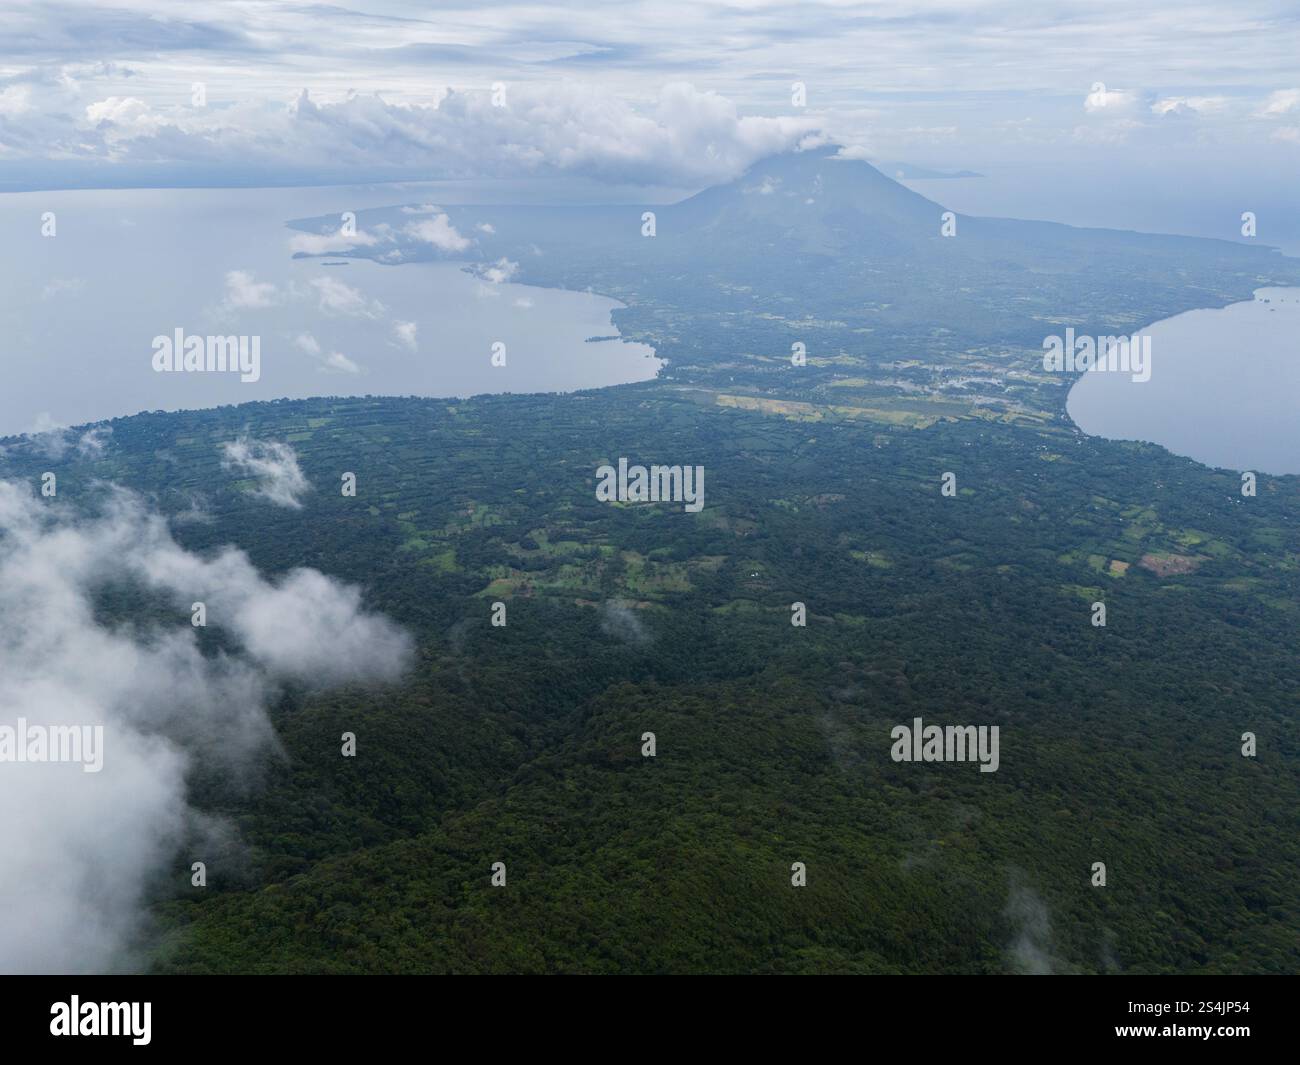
(522, 744)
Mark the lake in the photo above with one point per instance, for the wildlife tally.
(80, 309)
(1224, 387)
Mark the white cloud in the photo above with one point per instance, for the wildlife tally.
(83, 851)
(48, 437)
(334, 362)
(94, 441)
(1282, 102)
(325, 243)
(124, 118)
(337, 362)
(1101, 100)
(1196, 105)
(498, 272)
(437, 231)
(243, 292)
(15, 100)
(338, 297)
(618, 618)
(273, 464)
(682, 137)
(405, 333)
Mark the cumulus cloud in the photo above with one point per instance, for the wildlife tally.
(438, 232)
(1101, 100)
(1190, 105)
(273, 464)
(337, 362)
(683, 137)
(308, 343)
(1282, 102)
(405, 334)
(338, 297)
(245, 293)
(586, 96)
(328, 243)
(15, 99)
(498, 272)
(124, 118)
(331, 362)
(82, 850)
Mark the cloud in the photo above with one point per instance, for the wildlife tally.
(683, 137)
(94, 441)
(1282, 102)
(308, 343)
(333, 362)
(619, 619)
(96, 93)
(84, 851)
(405, 334)
(498, 272)
(245, 293)
(273, 464)
(338, 297)
(124, 118)
(1101, 100)
(337, 362)
(1194, 105)
(327, 243)
(15, 99)
(1030, 950)
(439, 232)
(48, 437)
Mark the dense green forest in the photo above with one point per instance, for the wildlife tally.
(522, 744)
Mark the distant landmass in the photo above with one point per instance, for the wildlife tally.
(909, 172)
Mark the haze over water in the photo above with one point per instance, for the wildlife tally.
(81, 309)
(1223, 388)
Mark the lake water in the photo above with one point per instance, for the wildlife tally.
(1224, 387)
(79, 310)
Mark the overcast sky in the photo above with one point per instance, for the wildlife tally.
(1160, 95)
